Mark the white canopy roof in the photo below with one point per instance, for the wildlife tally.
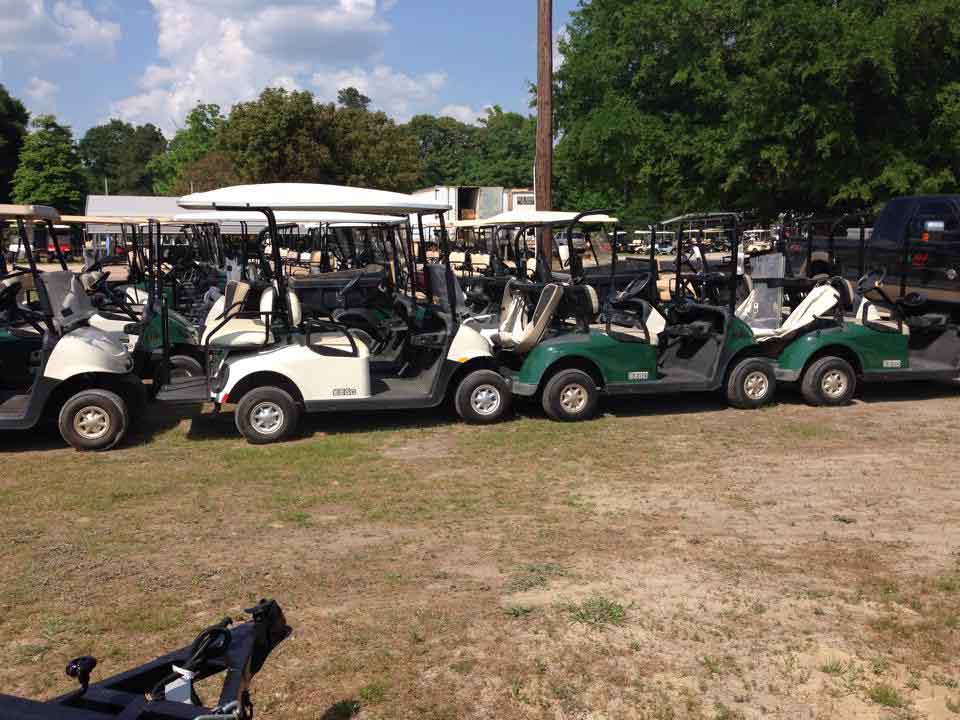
(340, 219)
(543, 217)
(41, 212)
(309, 197)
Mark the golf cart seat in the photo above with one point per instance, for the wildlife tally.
(818, 302)
(135, 296)
(642, 322)
(89, 280)
(869, 315)
(71, 305)
(224, 328)
(519, 334)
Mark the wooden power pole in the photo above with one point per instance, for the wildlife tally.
(543, 181)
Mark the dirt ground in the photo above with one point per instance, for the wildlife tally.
(672, 559)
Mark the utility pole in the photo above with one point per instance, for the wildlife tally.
(543, 176)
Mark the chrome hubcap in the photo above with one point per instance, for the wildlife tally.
(266, 417)
(834, 383)
(92, 422)
(573, 398)
(485, 400)
(756, 385)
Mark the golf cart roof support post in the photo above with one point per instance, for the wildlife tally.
(734, 264)
(905, 255)
(411, 259)
(58, 251)
(448, 275)
(678, 270)
(613, 276)
(704, 267)
(652, 283)
(422, 258)
(32, 264)
(862, 248)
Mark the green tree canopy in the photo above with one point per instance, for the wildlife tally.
(507, 148)
(214, 170)
(353, 99)
(374, 152)
(446, 147)
(50, 171)
(191, 143)
(13, 129)
(680, 105)
(121, 153)
(282, 136)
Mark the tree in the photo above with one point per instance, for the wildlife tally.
(507, 148)
(374, 152)
(13, 129)
(121, 153)
(282, 136)
(209, 172)
(189, 145)
(353, 99)
(50, 171)
(673, 106)
(446, 146)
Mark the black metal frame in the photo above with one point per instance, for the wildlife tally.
(239, 652)
(734, 251)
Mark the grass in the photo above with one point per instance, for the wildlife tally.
(598, 612)
(886, 695)
(401, 555)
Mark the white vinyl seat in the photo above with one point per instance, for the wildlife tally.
(519, 334)
(821, 300)
(869, 313)
(237, 331)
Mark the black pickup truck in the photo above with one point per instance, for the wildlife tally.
(915, 239)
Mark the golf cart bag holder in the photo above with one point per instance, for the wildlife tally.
(162, 689)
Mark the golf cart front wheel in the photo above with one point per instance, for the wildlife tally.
(751, 384)
(266, 415)
(829, 381)
(94, 420)
(571, 395)
(482, 397)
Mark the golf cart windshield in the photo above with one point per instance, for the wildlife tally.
(763, 308)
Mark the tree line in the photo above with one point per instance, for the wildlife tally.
(282, 136)
(662, 106)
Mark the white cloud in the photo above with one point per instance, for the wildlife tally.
(43, 94)
(397, 94)
(227, 51)
(36, 27)
(463, 113)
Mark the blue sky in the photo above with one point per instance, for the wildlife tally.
(152, 60)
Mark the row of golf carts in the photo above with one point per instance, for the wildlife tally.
(355, 316)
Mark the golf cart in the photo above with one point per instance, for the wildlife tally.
(164, 688)
(52, 362)
(639, 348)
(265, 355)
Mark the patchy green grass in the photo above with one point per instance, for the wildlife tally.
(886, 695)
(597, 611)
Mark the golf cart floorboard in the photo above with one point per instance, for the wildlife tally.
(675, 380)
(13, 404)
(387, 394)
(185, 391)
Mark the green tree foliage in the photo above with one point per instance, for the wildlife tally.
(372, 151)
(684, 104)
(120, 153)
(282, 136)
(50, 171)
(353, 99)
(214, 170)
(446, 147)
(13, 129)
(191, 143)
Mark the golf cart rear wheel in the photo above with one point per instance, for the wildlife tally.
(751, 384)
(266, 415)
(829, 381)
(482, 397)
(94, 420)
(571, 395)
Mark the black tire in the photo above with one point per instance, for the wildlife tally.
(571, 396)
(94, 420)
(829, 381)
(751, 384)
(267, 415)
(185, 366)
(482, 397)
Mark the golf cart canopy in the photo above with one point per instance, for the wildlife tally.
(337, 219)
(306, 197)
(543, 217)
(39, 212)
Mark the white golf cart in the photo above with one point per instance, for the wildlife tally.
(52, 363)
(274, 363)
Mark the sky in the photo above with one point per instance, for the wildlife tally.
(87, 61)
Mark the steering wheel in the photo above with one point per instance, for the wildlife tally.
(913, 300)
(8, 296)
(873, 280)
(633, 288)
(342, 293)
